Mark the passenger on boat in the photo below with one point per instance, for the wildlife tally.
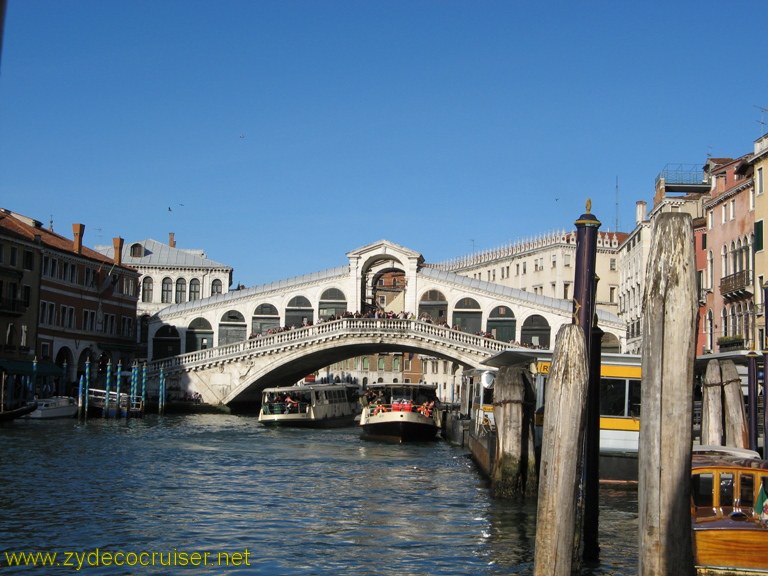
(291, 404)
(426, 408)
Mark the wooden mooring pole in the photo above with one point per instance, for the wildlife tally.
(561, 455)
(514, 468)
(668, 352)
(736, 433)
(712, 406)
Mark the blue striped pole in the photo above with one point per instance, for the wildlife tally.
(80, 398)
(143, 386)
(106, 389)
(161, 396)
(118, 378)
(134, 384)
(87, 385)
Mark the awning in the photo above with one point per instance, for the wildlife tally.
(25, 367)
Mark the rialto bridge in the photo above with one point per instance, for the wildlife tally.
(228, 347)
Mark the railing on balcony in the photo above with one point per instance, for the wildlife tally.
(9, 306)
(736, 284)
(730, 343)
(692, 174)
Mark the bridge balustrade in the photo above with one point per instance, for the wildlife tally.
(307, 334)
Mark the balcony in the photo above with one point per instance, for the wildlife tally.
(683, 178)
(12, 307)
(736, 285)
(730, 343)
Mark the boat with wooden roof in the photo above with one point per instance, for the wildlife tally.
(729, 511)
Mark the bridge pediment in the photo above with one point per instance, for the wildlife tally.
(384, 249)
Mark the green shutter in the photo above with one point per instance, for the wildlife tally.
(758, 236)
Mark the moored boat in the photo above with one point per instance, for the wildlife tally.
(729, 511)
(17, 412)
(400, 412)
(310, 406)
(55, 407)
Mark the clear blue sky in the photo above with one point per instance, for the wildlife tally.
(283, 134)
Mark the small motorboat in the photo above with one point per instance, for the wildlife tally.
(729, 510)
(55, 407)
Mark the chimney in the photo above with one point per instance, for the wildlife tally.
(171, 240)
(117, 244)
(640, 211)
(77, 243)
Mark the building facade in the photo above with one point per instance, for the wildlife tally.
(545, 266)
(169, 275)
(85, 309)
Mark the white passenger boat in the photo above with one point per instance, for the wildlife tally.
(55, 407)
(400, 412)
(310, 406)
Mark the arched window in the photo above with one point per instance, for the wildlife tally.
(146, 289)
(194, 289)
(181, 290)
(167, 292)
(216, 287)
(137, 250)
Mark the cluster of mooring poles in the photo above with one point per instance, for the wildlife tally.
(115, 403)
(724, 421)
(568, 482)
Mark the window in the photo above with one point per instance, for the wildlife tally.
(704, 241)
(567, 260)
(29, 260)
(733, 209)
(181, 290)
(758, 242)
(126, 326)
(165, 296)
(710, 219)
(194, 289)
(723, 213)
(89, 320)
(381, 362)
(396, 364)
(759, 181)
(613, 264)
(14, 256)
(612, 297)
(216, 287)
(146, 289)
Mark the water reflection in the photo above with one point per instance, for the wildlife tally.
(302, 501)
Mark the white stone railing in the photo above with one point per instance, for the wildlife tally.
(307, 335)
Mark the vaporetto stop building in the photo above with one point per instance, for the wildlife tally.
(386, 299)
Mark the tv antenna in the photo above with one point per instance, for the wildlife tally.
(761, 121)
(616, 226)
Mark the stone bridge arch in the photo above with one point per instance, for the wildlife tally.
(234, 375)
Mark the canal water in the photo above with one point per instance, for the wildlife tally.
(220, 494)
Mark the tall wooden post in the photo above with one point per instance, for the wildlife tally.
(668, 352)
(584, 310)
(514, 467)
(752, 396)
(561, 450)
(736, 432)
(764, 348)
(712, 406)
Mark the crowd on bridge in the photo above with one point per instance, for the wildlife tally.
(378, 313)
